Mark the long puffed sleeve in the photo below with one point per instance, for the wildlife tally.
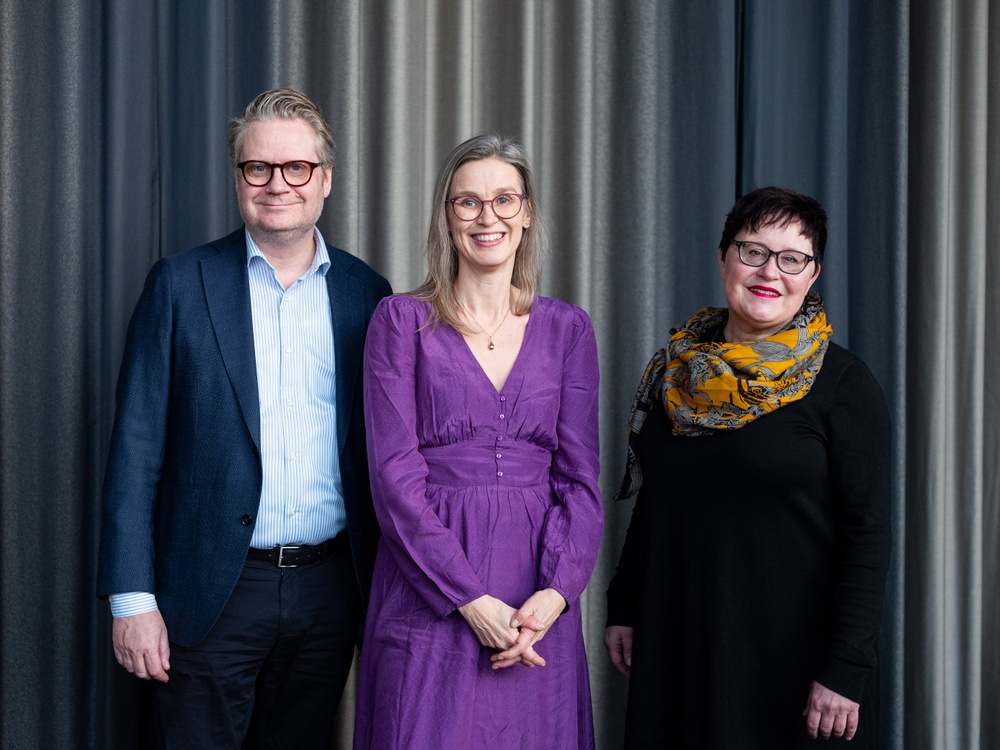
(428, 553)
(573, 526)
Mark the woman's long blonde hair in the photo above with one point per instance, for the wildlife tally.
(442, 256)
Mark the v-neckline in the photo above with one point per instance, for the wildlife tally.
(517, 360)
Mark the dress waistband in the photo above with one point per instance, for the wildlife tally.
(498, 461)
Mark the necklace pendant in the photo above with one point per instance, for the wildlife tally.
(489, 336)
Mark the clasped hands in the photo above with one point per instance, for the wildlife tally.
(513, 632)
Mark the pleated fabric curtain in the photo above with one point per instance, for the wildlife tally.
(952, 523)
(644, 119)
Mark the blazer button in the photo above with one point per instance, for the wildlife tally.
(246, 520)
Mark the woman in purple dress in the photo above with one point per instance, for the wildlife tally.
(481, 404)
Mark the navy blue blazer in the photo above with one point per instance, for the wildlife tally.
(183, 480)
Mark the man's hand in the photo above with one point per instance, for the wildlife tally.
(141, 645)
(829, 714)
(618, 642)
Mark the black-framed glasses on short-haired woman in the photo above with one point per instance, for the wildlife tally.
(756, 255)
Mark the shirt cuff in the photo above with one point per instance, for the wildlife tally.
(133, 603)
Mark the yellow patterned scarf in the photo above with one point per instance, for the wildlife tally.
(706, 386)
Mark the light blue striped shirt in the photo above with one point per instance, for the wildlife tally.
(302, 496)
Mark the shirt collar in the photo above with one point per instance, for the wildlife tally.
(320, 263)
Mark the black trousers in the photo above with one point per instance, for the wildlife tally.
(272, 669)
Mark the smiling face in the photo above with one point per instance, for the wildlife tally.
(277, 212)
(764, 300)
(488, 243)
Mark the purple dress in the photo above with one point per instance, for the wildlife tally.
(477, 492)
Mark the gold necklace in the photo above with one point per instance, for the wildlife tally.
(489, 336)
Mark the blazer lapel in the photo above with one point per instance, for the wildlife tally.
(347, 305)
(227, 292)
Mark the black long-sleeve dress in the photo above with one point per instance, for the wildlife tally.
(756, 563)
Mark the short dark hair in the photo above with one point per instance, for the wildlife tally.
(769, 206)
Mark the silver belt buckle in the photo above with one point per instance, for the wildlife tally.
(281, 555)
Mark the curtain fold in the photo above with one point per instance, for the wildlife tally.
(950, 550)
(876, 275)
(989, 716)
(644, 121)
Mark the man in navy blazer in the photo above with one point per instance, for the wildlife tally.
(238, 532)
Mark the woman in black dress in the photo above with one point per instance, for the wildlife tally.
(748, 597)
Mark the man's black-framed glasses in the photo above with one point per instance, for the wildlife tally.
(295, 173)
(469, 208)
(756, 255)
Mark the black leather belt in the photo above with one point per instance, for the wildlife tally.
(297, 555)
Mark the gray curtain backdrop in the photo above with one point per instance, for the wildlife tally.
(645, 119)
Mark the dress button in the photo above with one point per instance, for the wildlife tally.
(501, 416)
(499, 473)
(246, 520)
(503, 398)
(499, 455)
(499, 437)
